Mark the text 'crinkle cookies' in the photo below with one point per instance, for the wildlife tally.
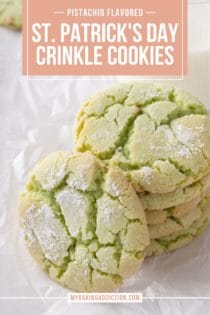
(83, 222)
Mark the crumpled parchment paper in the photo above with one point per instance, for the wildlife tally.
(36, 118)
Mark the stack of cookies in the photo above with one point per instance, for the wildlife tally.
(160, 137)
(137, 185)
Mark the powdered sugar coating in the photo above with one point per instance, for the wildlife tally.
(77, 224)
(146, 174)
(159, 123)
(41, 225)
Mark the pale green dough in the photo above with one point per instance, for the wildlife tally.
(159, 135)
(182, 237)
(83, 222)
(11, 13)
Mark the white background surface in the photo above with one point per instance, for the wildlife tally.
(36, 117)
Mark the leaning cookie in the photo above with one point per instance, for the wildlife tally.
(11, 13)
(159, 135)
(185, 236)
(83, 223)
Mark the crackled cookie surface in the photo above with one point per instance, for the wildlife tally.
(159, 135)
(83, 223)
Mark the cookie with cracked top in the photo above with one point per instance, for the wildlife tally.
(83, 222)
(159, 135)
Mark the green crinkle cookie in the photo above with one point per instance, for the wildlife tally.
(83, 223)
(11, 13)
(159, 135)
